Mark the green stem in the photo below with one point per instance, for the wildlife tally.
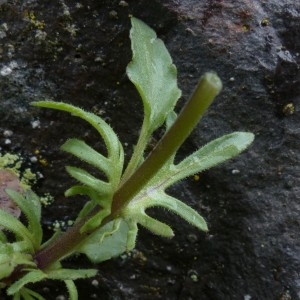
(208, 88)
(137, 153)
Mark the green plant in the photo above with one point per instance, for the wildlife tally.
(107, 225)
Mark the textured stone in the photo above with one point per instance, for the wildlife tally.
(77, 52)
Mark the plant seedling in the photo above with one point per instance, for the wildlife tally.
(108, 223)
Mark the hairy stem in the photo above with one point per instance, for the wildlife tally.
(207, 89)
(61, 247)
(137, 153)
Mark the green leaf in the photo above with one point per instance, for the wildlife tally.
(155, 77)
(31, 277)
(85, 153)
(212, 154)
(113, 145)
(153, 194)
(9, 262)
(66, 275)
(20, 246)
(153, 73)
(3, 238)
(155, 226)
(10, 259)
(103, 188)
(17, 296)
(108, 242)
(71, 287)
(135, 213)
(28, 294)
(112, 165)
(178, 207)
(70, 274)
(13, 225)
(30, 206)
(95, 221)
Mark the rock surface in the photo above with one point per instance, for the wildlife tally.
(77, 51)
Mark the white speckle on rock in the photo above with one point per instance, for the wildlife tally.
(10, 50)
(123, 3)
(5, 71)
(3, 29)
(235, 171)
(35, 124)
(40, 35)
(8, 133)
(169, 268)
(95, 282)
(39, 175)
(7, 142)
(66, 11)
(13, 65)
(33, 159)
(247, 297)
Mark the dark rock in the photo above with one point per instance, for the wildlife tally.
(77, 52)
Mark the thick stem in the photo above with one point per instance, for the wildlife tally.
(207, 89)
(61, 247)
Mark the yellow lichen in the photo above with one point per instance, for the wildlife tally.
(30, 16)
(43, 162)
(13, 162)
(196, 177)
(288, 109)
(265, 22)
(28, 177)
(47, 199)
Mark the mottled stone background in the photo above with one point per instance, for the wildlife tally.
(77, 51)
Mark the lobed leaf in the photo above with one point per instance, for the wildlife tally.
(153, 73)
(31, 277)
(153, 194)
(70, 274)
(155, 77)
(13, 225)
(212, 154)
(101, 192)
(86, 153)
(29, 294)
(84, 177)
(10, 259)
(3, 238)
(30, 206)
(114, 147)
(72, 290)
(178, 207)
(135, 213)
(107, 242)
(95, 221)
